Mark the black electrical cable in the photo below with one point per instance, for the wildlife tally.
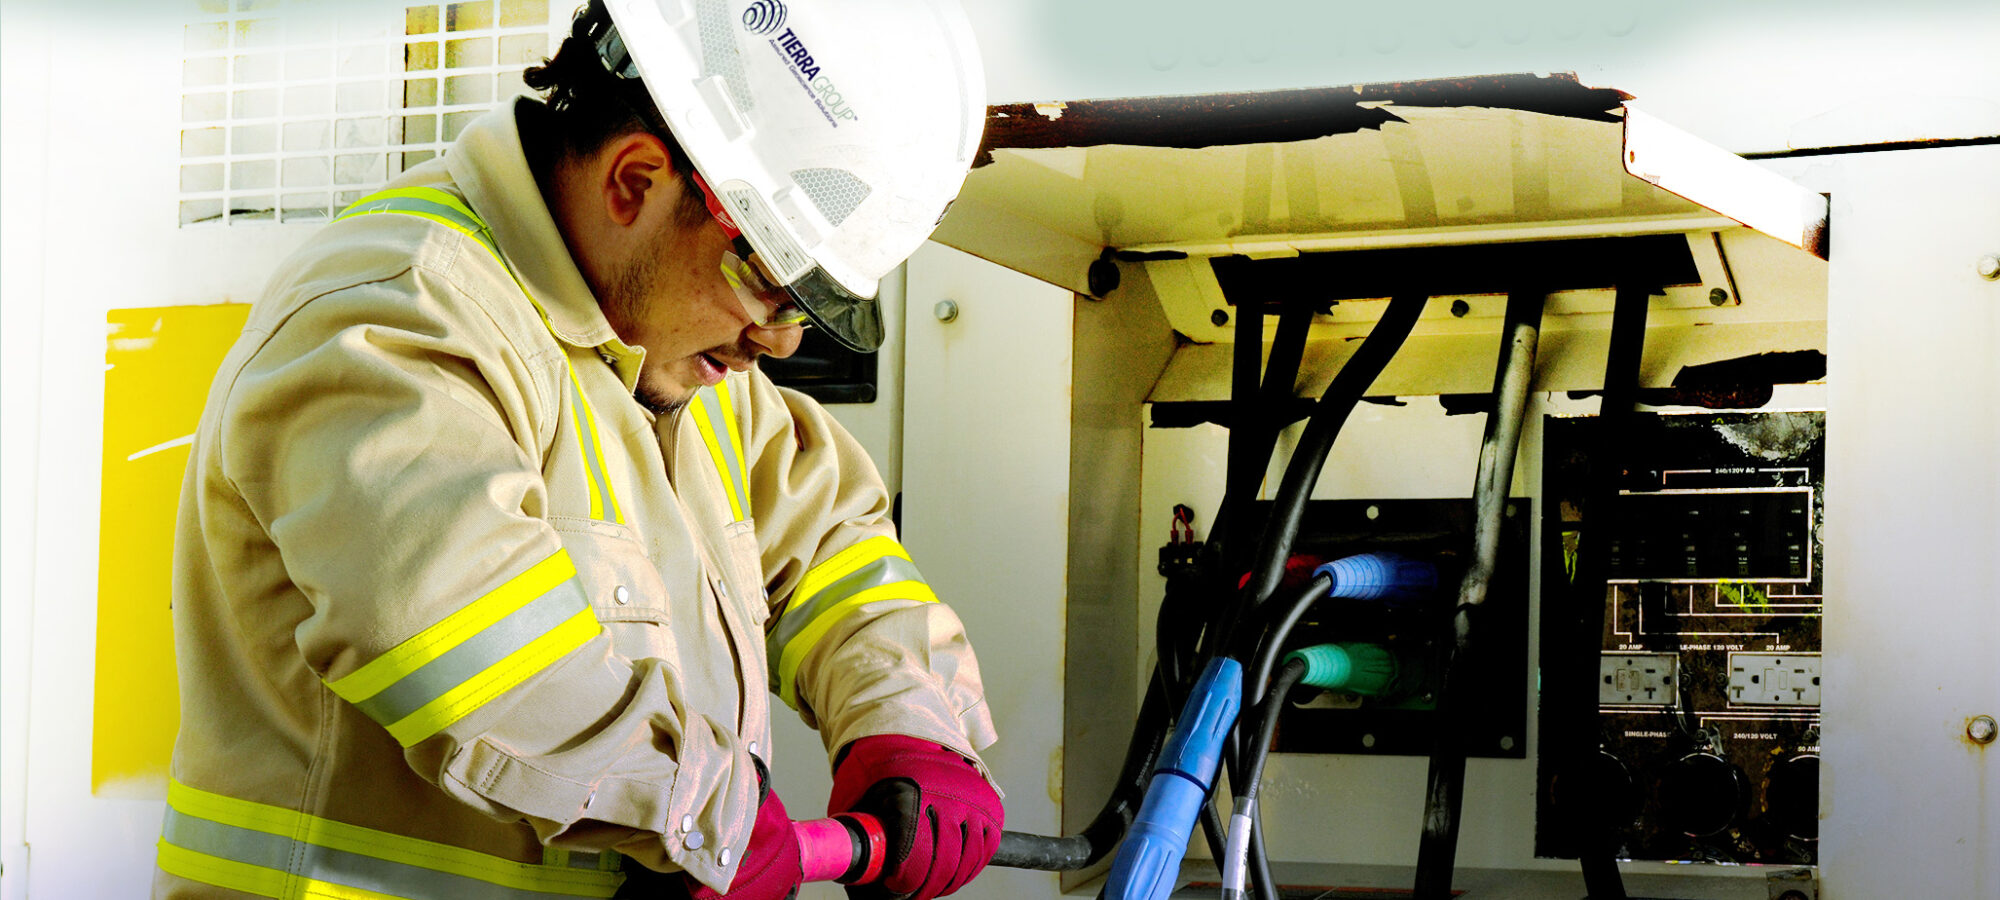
(1346, 390)
(1444, 794)
(1246, 814)
(1259, 428)
(1265, 655)
(1101, 836)
(1596, 848)
(1282, 526)
(1243, 469)
(1267, 728)
(1150, 731)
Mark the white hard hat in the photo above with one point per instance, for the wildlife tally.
(835, 134)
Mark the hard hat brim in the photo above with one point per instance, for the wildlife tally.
(853, 320)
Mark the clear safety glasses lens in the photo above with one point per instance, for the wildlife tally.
(767, 306)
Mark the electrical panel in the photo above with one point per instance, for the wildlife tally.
(1400, 718)
(1707, 719)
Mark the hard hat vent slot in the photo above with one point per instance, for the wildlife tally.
(835, 191)
(719, 53)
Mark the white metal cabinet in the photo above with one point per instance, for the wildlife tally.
(1909, 805)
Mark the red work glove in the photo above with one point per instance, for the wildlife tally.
(941, 816)
(770, 869)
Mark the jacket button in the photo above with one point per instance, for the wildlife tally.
(724, 859)
(722, 589)
(620, 595)
(753, 748)
(687, 822)
(692, 841)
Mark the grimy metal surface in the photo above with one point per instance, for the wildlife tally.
(1210, 120)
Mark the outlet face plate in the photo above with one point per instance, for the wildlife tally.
(1774, 679)
(1646, 679)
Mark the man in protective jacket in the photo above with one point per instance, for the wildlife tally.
(494, 536)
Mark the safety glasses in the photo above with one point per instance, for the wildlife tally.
(767, 305)
(813, 298)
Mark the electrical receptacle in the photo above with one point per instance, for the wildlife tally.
(1774, 679)
(1646, 678)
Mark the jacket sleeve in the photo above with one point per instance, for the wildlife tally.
(857, 642)
(388, 437)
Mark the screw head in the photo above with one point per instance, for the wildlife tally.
(946, 310)
(1459, 308)
(1717, 297)
(1989, 267)
(1982, 729)
(1219, 318)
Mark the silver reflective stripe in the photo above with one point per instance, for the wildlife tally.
(593, 451)
(477, 654)
(885, 571)
(323, 864)
(405, 204)
(732, 455)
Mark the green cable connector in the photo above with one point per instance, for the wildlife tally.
(1368, 670)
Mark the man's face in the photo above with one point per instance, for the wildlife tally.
(670, 296)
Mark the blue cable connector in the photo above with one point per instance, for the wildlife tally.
(1149, 862)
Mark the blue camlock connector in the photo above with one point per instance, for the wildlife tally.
(1149, 861)
(1389, 577)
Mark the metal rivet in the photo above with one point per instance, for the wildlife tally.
(1367, 740)
(1219, 318)
(1717, 297)
(946, 310)
(1460, 308)
(723, 860)
(1982, 729)
(620, 595)
(1989, 267)
(692, 841)
(687, 822)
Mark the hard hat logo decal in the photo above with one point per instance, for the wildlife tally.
(820, 87)
(764, 16)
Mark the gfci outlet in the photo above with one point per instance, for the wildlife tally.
(1646, 678)
(1774, 679)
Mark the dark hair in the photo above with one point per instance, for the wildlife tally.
(589, 107)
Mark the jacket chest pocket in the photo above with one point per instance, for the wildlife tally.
(624, 586)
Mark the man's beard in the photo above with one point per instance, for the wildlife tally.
(626, 303)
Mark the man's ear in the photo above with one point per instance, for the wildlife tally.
(639, 172)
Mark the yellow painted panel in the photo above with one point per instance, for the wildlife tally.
(158, 365)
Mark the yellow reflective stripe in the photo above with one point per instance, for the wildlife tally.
(603, 500)
(842, 564)
(715, 451)
(742, 469)
(456, 703)
(223, 873)
(332, 835)
(809, 637)
(435, 641)
(320, 890)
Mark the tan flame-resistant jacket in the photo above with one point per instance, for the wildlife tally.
(454, 613)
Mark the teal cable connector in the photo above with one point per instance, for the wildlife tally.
(1357, 668)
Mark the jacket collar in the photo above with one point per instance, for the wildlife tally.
(488, 164)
